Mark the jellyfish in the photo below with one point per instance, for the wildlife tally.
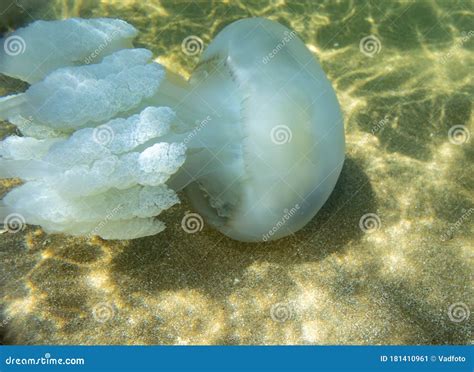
(108, 137)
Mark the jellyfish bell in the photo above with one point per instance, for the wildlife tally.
(282, 128)
(255, 137)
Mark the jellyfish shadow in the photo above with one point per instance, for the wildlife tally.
(211, 262)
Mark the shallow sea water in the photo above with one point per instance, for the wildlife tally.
(407, 280)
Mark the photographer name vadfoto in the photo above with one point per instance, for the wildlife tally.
(423, 358)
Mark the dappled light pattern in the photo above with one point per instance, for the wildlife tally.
(338, 280)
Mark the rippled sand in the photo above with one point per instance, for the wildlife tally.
(332, 282)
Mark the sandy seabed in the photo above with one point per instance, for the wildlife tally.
(401, 275)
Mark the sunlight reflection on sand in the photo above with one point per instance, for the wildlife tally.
(331, 283)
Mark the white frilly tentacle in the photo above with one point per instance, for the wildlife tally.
(31, 53)
(96, 151)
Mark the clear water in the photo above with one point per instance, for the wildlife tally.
(403, 277)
